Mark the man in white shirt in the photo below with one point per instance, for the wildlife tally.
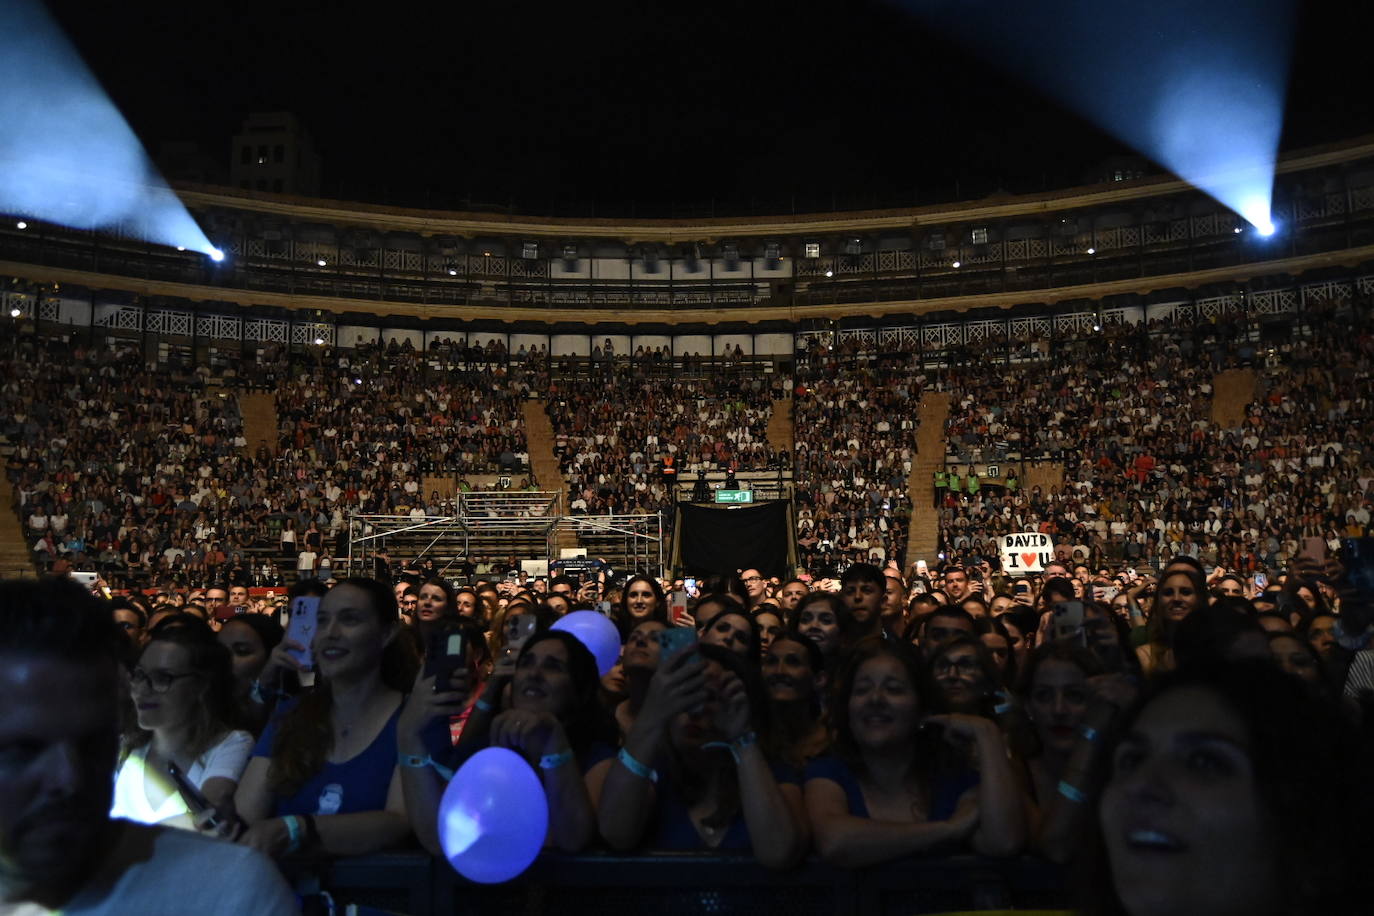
(59, 732)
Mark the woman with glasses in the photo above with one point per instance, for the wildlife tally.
(182, 691)
(966, 677)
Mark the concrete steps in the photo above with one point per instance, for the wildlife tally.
(923, 535)
(781, 433)
(1232, 390)
(1046, 476)
(15, 560)
(540, 440)
(259, 410)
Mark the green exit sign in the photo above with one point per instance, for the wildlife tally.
(734, 496)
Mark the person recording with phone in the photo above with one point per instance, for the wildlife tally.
(554, 719)
(323, 778)
(692, 773)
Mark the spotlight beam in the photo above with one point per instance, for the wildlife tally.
(67, 155)
(1198, 86)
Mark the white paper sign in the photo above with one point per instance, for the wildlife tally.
(1026, 552)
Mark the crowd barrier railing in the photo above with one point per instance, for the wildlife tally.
(668, 884)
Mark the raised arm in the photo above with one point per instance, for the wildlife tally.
(572, 817)
(421, 784)
(773, 812)
(628, 795)
(1001, 809)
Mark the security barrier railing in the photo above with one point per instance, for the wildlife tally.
(667, 884)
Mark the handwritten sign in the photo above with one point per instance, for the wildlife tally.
(1026, 552)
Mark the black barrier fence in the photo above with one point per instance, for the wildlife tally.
(677, 884)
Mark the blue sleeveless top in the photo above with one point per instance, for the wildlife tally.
(356, 785)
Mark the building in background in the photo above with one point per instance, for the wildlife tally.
(274, 152)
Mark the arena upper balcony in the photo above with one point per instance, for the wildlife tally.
(1129, 238)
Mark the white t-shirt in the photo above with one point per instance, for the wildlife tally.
(226, 760)
(155, 871)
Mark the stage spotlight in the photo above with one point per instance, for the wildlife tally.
(181, 248)
(453, 271)
(322, 263)
(216, 255)
(1266, 228)
(21, 225)
(1197, 87)
(1238, 230)
(830, 273)
(319, 341)
(1092, 251)
(955, 265)
(15, 312)
(66, 153)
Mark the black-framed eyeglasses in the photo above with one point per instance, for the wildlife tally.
(753, 578)
(960, 665)
(158, 681)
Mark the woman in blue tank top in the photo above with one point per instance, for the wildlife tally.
(902, 782)
(323, 777)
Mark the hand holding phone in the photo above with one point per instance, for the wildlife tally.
(445, 657)
(301, 627)
(204, 815)
(678, 606)
(674, 640)
(1068, 622)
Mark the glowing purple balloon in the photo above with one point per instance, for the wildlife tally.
(597, 633)
(493, 817)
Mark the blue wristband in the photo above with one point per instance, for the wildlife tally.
(736, 747)
(419, 763)
(554, 761)
(634, 766)
(1072, 793)
(1088, 733)
(293, 832)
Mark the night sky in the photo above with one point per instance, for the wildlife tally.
(636, 108)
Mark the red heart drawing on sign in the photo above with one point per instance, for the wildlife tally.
(1028, 559)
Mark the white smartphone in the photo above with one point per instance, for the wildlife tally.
(305, 612)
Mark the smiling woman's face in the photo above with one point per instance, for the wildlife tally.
(542, 679)
(883, 704)
(1181, 817)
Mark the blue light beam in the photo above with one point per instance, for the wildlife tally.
(1198, 86)
(66, 153)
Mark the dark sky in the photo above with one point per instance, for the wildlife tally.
(635, 108)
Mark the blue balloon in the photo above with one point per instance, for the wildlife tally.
(493, 817)
(597, 633)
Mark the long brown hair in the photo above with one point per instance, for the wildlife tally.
(305, 733)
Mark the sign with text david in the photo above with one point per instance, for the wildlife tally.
(1027, 552)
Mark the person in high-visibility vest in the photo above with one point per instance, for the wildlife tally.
(940, 484)
(974, 484)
